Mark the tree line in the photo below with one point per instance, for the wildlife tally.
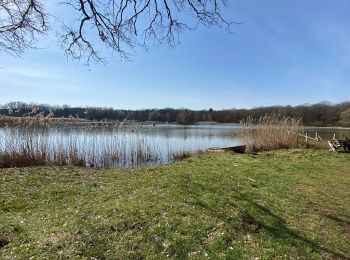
(321, 114)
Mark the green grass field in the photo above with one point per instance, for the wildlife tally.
(281, 204)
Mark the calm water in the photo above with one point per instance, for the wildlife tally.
(327, 133)
(130, 146)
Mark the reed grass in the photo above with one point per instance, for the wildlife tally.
(21, 148)
(271, 132)
(39, 120)
(25, 120)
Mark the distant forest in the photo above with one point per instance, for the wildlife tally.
(321, 114)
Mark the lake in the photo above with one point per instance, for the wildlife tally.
(131, 146)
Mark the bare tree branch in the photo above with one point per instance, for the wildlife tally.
(122, 25)
(21, 21)
(119, 25)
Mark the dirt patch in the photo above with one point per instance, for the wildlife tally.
(250, 223)
(4, 242)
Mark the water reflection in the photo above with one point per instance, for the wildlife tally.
(130, 146)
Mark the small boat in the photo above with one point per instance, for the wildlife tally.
(236, 149)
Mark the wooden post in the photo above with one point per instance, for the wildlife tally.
(306, 141)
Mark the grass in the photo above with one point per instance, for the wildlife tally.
(280, 204)
(271, 132)
(182, 155)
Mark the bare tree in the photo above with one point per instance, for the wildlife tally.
(20, 22)
(120, 25)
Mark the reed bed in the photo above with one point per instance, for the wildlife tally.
(20, 148)
(271, 132)
(26, 121)
(38, 120)
(93, 146)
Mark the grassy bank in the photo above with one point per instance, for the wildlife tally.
(283, 204)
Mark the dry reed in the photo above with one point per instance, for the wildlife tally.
(271, 132)
(21, 149)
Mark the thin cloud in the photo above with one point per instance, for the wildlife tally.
(29, 73)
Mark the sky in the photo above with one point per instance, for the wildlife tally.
(286, 52)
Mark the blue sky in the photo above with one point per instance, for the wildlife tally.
(285, 53)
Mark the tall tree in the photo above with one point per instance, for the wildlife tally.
(345, 117)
